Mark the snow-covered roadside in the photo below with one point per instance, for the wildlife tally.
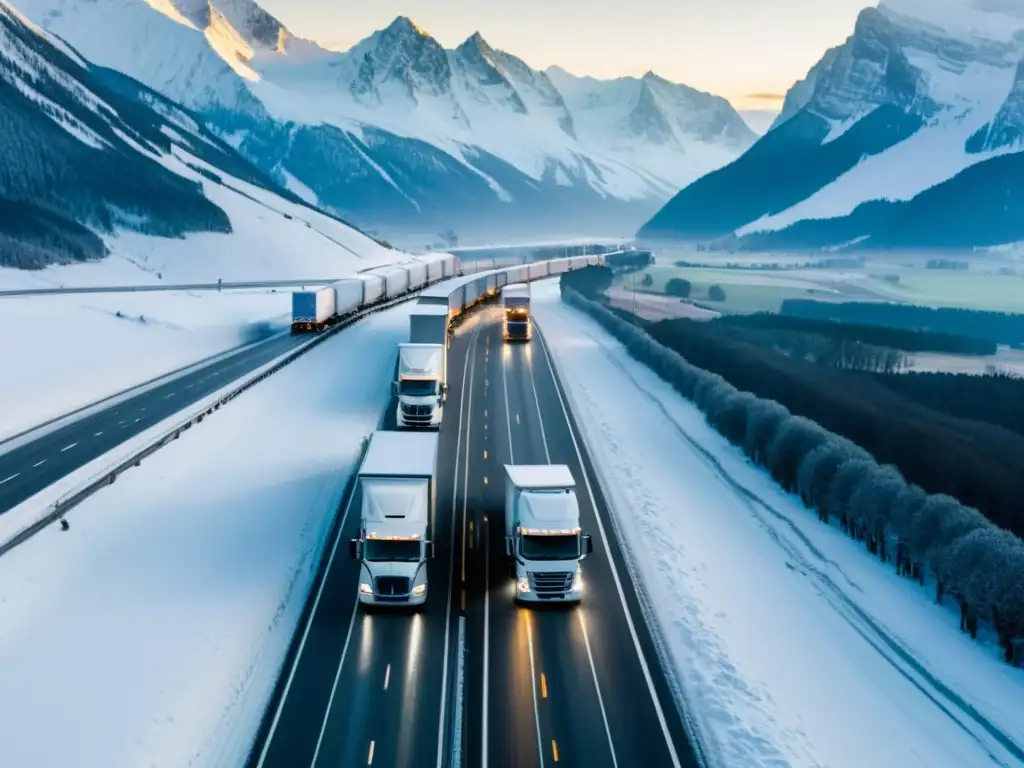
(153, 631)
(793, 646)
(60, 353)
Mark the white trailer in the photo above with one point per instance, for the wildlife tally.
(348, 296)
(543, 539)
(396, 279)
(311, 310)
(373, 287)
(397, 484)
(417, 273)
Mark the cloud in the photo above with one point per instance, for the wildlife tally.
(762, 96)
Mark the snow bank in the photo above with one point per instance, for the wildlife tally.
(791, 644)
(64, 352)
(153, 631)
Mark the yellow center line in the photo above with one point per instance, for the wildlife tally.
(554, 749)
(543, 686)
(485, 453)
(369, 760)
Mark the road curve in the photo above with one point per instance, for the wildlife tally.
(31, 467)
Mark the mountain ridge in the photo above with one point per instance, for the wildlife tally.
(428, 138)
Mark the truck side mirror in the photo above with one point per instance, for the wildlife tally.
(430, 549)
(508, 546)
(394, 388)
(355, 549)
(588, 544)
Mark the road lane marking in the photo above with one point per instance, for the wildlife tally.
(611, 562)
(504, 383)
(168, 396)
(485, 479)
(68, 447)
(533, 685)
(39, 464)
(485, 453)
(463, 409)
(334, 686)
(369, 760)
(305, 636)
(517, 418)
(543, 686)
(7, 480)
(97, 434)
(387, 677)
(597, 687)
(137, 421)
(540, 416)
(554, 749)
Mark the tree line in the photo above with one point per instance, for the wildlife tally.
(999, 327)
(923, 534)
(906, 339)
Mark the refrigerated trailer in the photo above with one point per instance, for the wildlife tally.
(311, 310)
(543, 538)
(397, 483)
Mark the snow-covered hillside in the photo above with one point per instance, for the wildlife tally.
(96, 164)
(399, 133)
(923, 91)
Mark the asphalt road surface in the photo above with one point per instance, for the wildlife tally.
(566, 685)
(31, 467)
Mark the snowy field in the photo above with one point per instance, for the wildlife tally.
(152, 632)
(63, 352)
(792, 645)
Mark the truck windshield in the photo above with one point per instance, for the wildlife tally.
(417, 388)
(550, 547)
(381, 550)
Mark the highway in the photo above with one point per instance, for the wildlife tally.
(565, 685)
(24, 292)
(30, 467)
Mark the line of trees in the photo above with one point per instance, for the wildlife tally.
(972, 560)
(909, 340)
(999, 327)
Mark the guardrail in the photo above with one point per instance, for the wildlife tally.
(58, 509)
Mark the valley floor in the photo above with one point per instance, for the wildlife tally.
(153, 631)
(787, 642)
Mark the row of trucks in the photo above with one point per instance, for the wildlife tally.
(397, 485)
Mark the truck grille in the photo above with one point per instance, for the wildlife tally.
(549, 585)
(393, 587)
(417, 415)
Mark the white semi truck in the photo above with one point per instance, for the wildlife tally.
(515, 301)
(422, 385)
(397, 484)
(543, 539)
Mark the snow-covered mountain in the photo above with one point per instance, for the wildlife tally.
(399, 133)
(906, 134)
(92, 164)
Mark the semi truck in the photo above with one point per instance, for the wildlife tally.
(311, 310)
(397, 483)
(515, 301)
(422, 385)
(543, 539)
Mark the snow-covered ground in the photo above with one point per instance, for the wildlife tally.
(60, 353)
(153, 631)
(791, 644)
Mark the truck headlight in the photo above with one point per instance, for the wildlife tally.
(577, 581)
(419, 589)
(523, 585)
(365, 589)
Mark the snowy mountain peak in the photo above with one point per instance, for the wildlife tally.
(401, 60)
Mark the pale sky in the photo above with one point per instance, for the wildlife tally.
(735, 48)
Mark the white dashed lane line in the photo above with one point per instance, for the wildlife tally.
(68, 447)
(8, 479)
(39, 464)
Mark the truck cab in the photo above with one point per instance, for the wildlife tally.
(421, 387)
(544, 542)
(515, 301)
(397, 486)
